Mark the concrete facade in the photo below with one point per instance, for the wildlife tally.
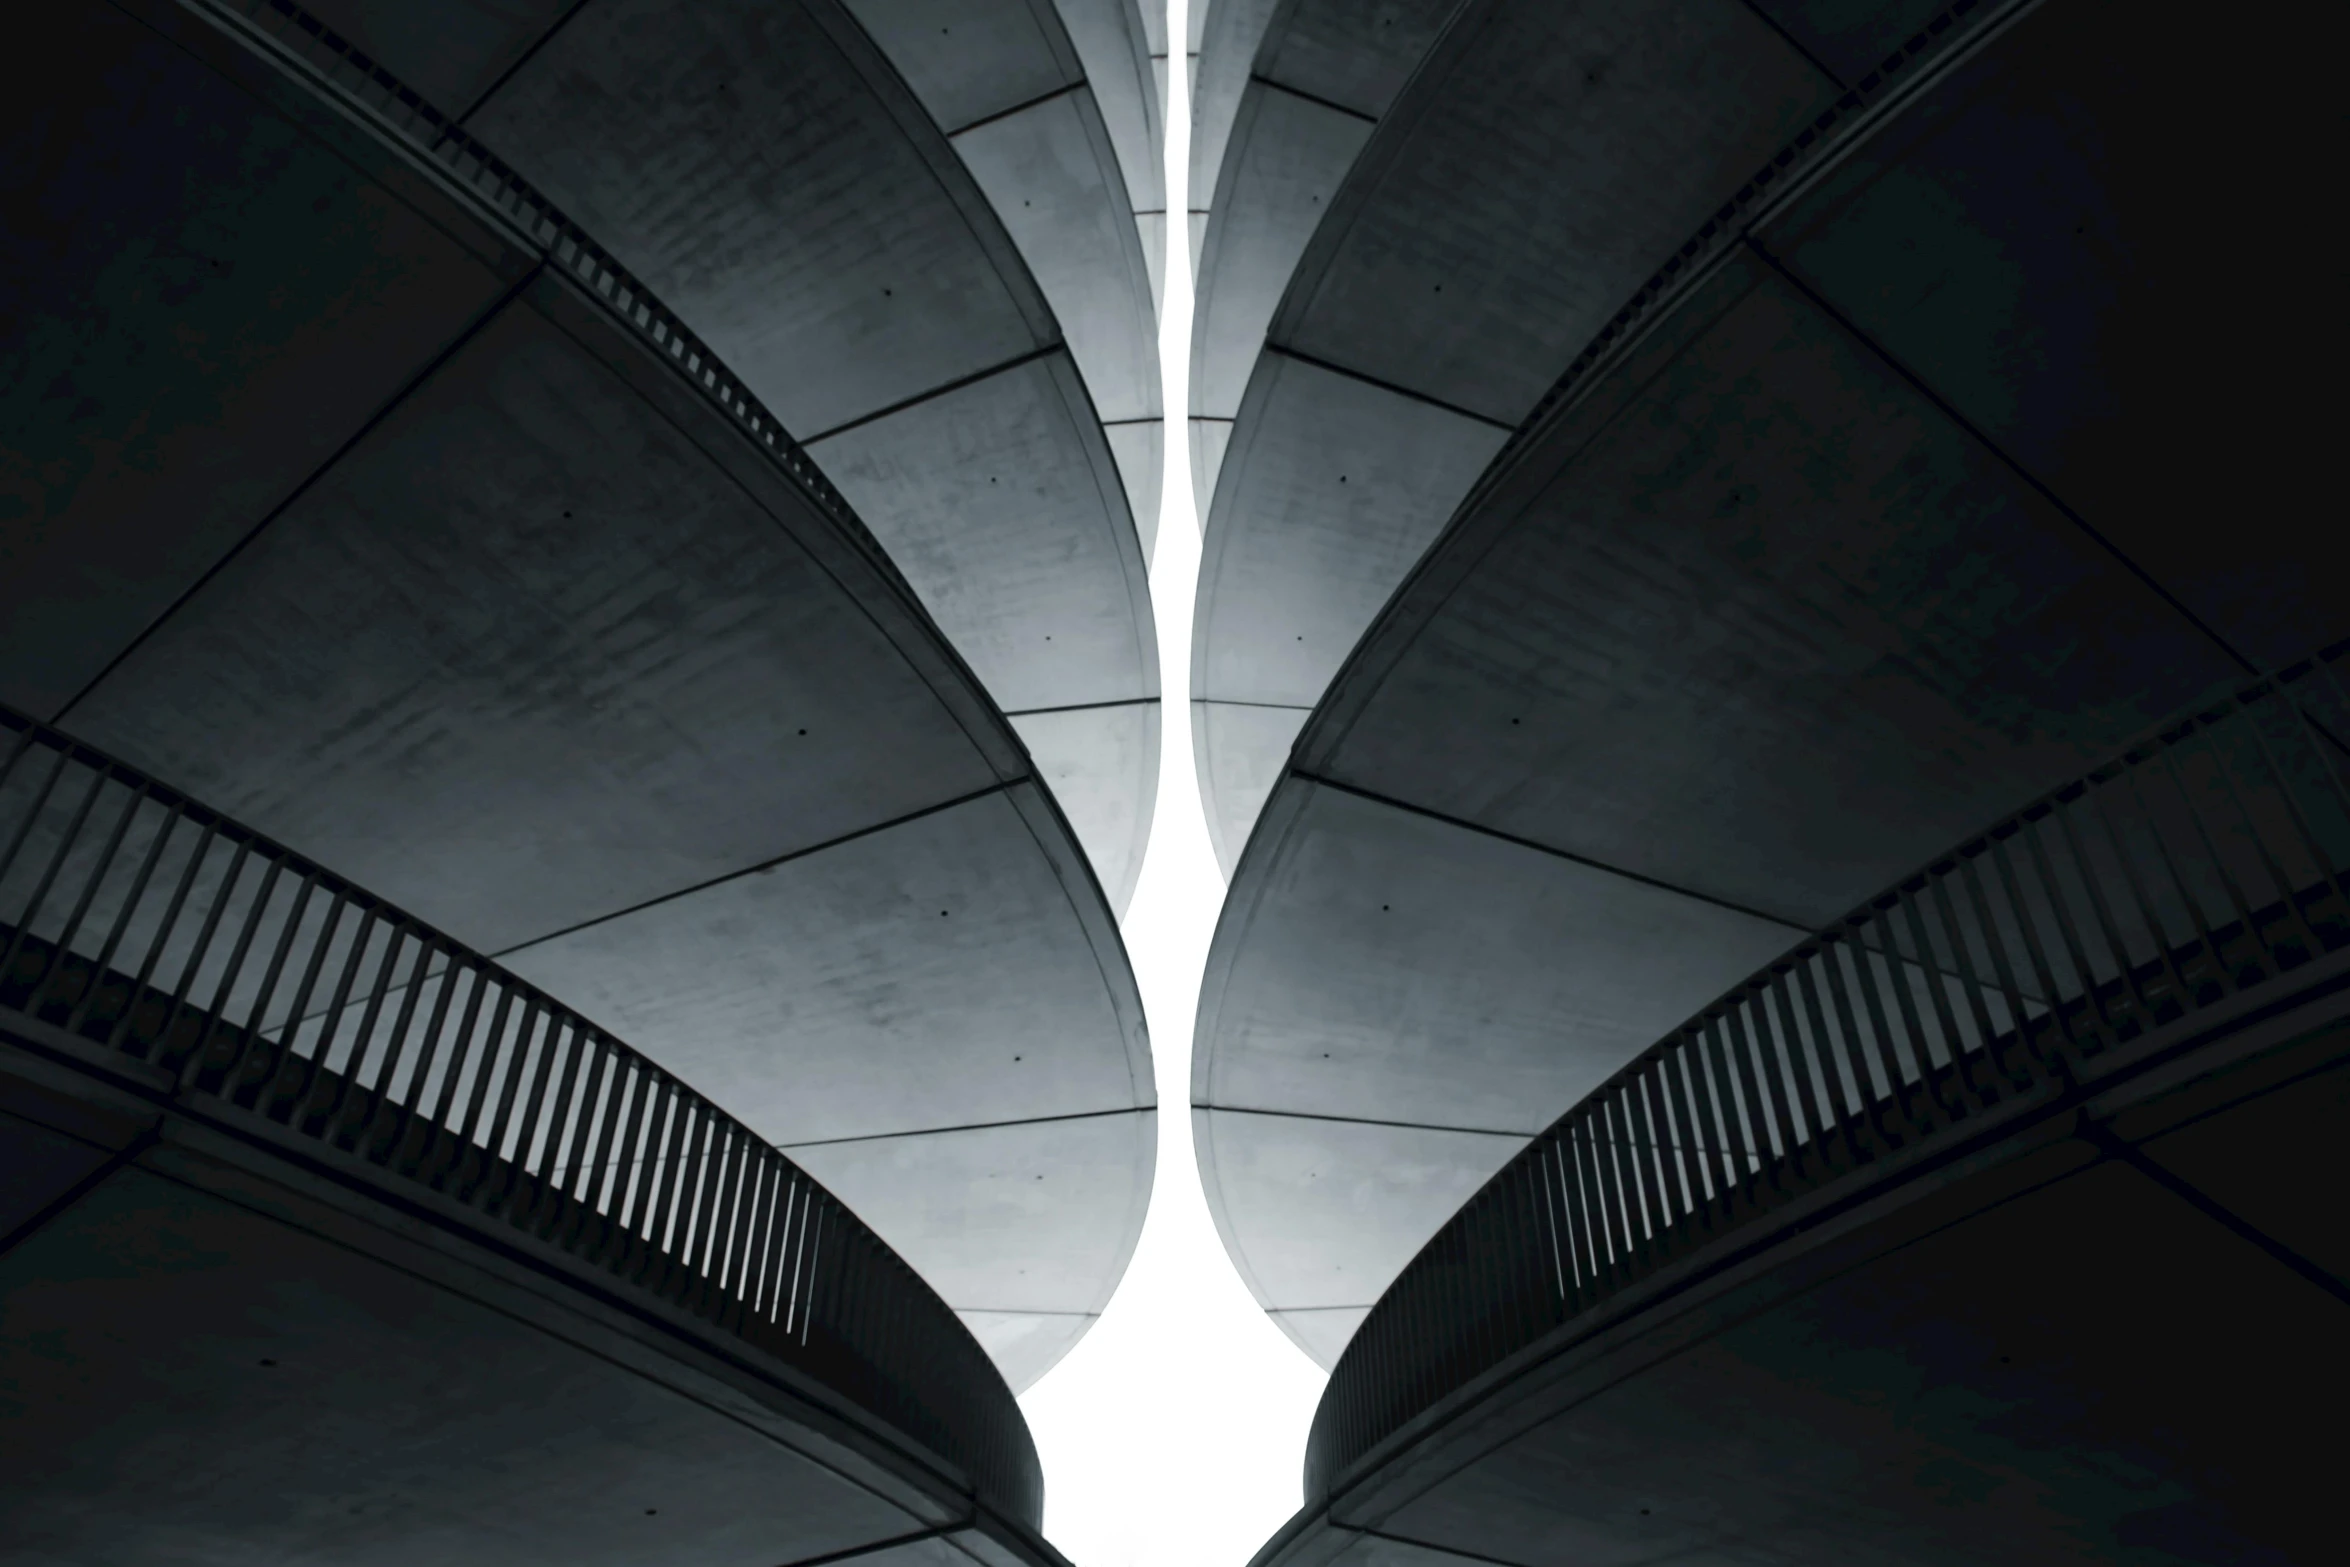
(910, 228)
(356, 507)
(1836, 538)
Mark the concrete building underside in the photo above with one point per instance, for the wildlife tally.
(1766, 430)
(359, 489)
(324, 1239)
(2087, 1344)
(918, 231)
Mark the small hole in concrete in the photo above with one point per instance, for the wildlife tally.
(269, 1362)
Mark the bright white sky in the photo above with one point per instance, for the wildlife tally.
(1175, 1432)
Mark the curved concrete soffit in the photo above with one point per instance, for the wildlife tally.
(1789, 581)
(772, 176)
(479, 577)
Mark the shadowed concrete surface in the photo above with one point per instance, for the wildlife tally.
(2100, 1343)
(906, 226)
(213, 1356)
(337, 504)
(1845, 537)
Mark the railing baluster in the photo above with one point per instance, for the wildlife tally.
(104, 962)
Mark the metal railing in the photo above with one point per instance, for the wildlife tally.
(287, 1003)
(2206, 860)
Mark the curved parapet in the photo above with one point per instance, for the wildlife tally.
(959, 330)
(359, 490)
(1836, 541)
(1868, 1259)
(326, 1235)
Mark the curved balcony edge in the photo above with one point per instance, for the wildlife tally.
(256, 1001)
(2106, 936)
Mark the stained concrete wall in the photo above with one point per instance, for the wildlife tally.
(2109, 1350)
(1851, 540)
(909, 227)
(340, 510)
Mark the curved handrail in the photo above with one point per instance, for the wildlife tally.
(147, 925)
(2204, 860)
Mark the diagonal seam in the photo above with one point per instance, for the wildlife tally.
(941, 390)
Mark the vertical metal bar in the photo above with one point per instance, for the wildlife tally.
(1771, 1093)
(1695, 1131)
(1777, 1014)
(1841, 1104)
(81, 907)
(2219, 867)
(1978, 1012)
(1741, 1109)
(526, 1045)
(216, 1016)
(2127, 971)
(292, 1031)
(354, 1074)
(2301, 824)
(234, 1071)
(2178, 881)
(32, 817)
(162, 937)
(2003, 1061)
(1938, 990)
(406, 1104)
(1715, 1126)
(494, 1041)
(121, 928)
(2151, 916)
(32, 909)
(1931, 1109)
(438, 1127)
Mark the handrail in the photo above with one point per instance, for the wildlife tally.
(2203, 861)
(147, 925)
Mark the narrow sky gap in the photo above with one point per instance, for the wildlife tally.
(1173, 1435)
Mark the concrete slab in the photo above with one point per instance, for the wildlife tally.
(1288, 156)
(743, 159)
(1111, 43)
(1980, 1394)
(1774, 632)
(1849, 40)
(1001, 504)
(1325, 1213)
(1102, 766)
(1026, 1344)
(1230, 34)
(1139, 448)
(1547, 162)
(39, 1166)
(1354, 53)
(585, 655)
(1322, 1332)
(2014, 240)
(969, 59)
(300, 1399)
(933, 974)
(1330, 490)
(451, 51)
(1039, 1217)
(1045, 169)
(1381, 965)
(170, 382)
(1240, 751)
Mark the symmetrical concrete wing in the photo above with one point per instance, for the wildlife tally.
(1870, 495)
(365, 491)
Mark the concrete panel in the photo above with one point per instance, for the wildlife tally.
(593, 668)
(1850, 38)
(298, 1401)
(1031, 1218)
(1239, 751)
(1562, 155)
(967, 59)
(1026, 1344)
(1330, 491)
(1387, 966)
(1139, 448)
(1979, 1395)
(37, 1167)
(1049, 172)
(1354, 53)
(1102, 765)
(1325, 1213)
(1774, 632)
(1152, 226)
(931, 974)
(1108, 36)
(1321, 1333)
(1000, 503)
(194, 323)
(1209, 438)
(2270, 1161)
(451, 51)
(1230, 34)
(2015, 240)
(1288, 156)
(739, 159)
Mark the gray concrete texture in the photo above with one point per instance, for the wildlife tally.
(336, 510)
(291, 1380)
(1857, 545)
(910, 227)
(1971, 1379)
